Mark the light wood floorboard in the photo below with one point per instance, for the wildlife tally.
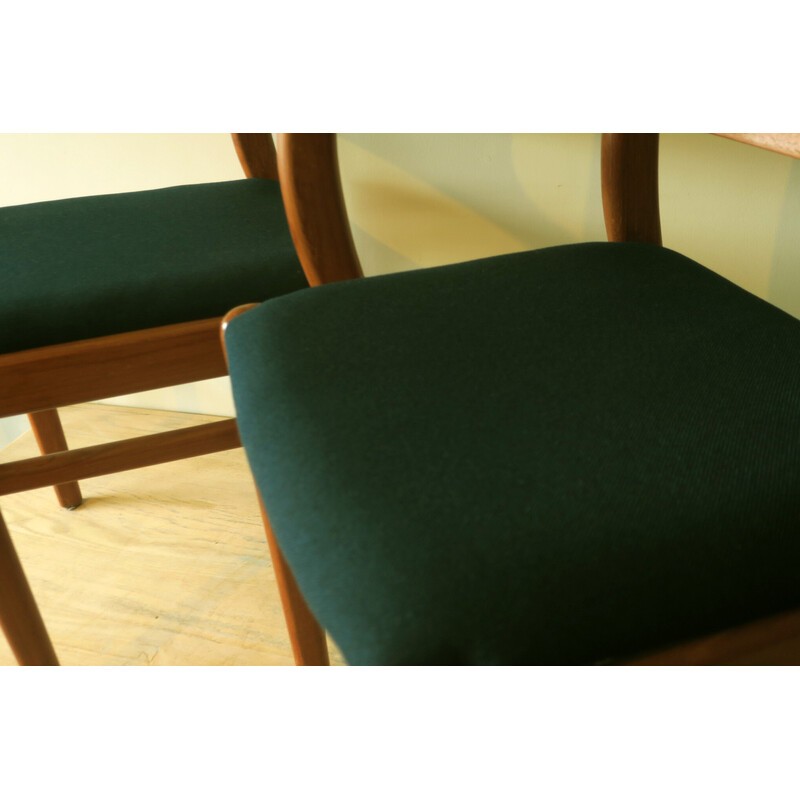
(166, 565)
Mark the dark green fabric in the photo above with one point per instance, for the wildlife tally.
(92, 266)
(556, 457)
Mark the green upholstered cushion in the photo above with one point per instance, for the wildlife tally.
(91, 266)
(556, 457)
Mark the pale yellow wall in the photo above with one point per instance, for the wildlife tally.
(426, 199)
(430, 199)
(49, 166)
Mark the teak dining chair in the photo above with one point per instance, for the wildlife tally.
(107, 295)
(583, 454)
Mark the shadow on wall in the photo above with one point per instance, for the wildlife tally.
(784, 285)
(559, 175)
(474, 171)
(12, 428)
(427, 199)
(419, 200)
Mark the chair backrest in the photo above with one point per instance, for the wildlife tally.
(309, 173)
(308, 165)
(630, 179)
(629, 164)
(257, 155)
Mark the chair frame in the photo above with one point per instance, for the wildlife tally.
(37, 382)
(311, 186)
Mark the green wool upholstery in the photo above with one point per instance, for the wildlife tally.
(91, 266)
(554, 457)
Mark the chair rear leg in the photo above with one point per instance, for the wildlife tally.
(309, 645)
(19, 615)
(50, 437)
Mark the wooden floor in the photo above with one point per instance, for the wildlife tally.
(166, 565)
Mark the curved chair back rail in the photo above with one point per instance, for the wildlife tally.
(312, 192)
(311, 187)
(256, 152)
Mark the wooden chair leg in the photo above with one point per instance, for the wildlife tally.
(50, 437)
(309, 645)
(19, 615)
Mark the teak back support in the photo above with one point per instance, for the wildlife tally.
(630, 179)
(630, 187)
(308, 165)
(309, 170)
(256, 152)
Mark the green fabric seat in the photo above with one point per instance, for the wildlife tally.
(565, 456)
(91, 266)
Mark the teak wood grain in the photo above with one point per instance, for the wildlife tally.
(103, 459)
(39, 381)
(20, 619)
(109, 366)
(629, 164)
(49, 434)
(308, 165)
(257, 156)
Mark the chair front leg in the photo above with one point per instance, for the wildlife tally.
(309, 645)
(19, 615)
(49, 434)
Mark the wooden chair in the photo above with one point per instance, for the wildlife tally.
(108, 295)
(581, 454)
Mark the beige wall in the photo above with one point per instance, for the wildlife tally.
(428, 199)
(418, 200)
